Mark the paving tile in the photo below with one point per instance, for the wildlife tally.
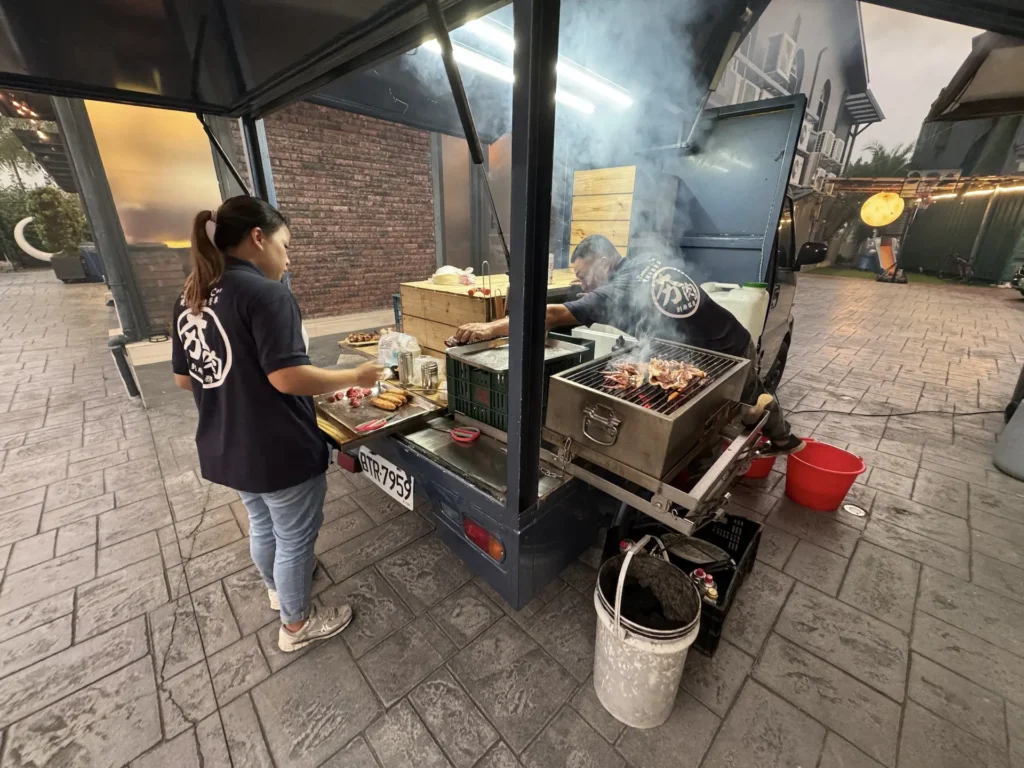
(17, 455)
(958, 700)
(890, 482)
(338, 485)
(122, 555)
(181, 752)
(513, 681)
(354, 555)
(216, 622)
(127, 522)
(882, 584)
(247, 594)
(973, 609)
(996, 526)
(998, 577)
(466, 613)
(918, 518)
(819, 528)
(186, 699)
(46, 579)
(397, 664)
(73, 513)
(1015, 725)
(853, 710)
(776, 546)
(765, 731)
(978, 660)
(337, 508)
(21, 500)
(377, 504)
(19, 524)
(341, 530)
(580, 576)
(378, 611)
(35, 615)
(999, 549)
(119, 596)
(424, 573)
(943, 557)
(401, 741)
(356, 754)
(128, 474)
(568, 740)
(244, 735)
(839, 753)
(459, 727)
(237, 668)
(138, 492)
(97, 463)
(75, 536)
(104, 725)
(930, 742)
(218, 564)
(680, 742)
(175, 638)
(591, 709)
(307, 716)
(31, 551)
(755, 607)
(91, 451)
(499, 757)
(1008, 505)
(941, 492)
(73, 490)
(34, 645)
(870, 650)
(40, 685)
(816, 566)
(716, 681)
(566, 628)
(276, 658)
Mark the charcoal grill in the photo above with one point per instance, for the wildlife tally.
(643, 428)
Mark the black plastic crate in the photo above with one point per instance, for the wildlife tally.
(483, 395)
(738, 536)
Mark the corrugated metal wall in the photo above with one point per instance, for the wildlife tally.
(951, 226)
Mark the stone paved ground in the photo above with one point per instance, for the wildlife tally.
(892, 640)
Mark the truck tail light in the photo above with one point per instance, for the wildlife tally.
(484, 539)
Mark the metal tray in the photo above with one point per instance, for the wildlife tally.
(414, 413)
(493, 355)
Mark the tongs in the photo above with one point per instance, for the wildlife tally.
(374, 424)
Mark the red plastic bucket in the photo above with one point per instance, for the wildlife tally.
(761, 468)
(820, 476)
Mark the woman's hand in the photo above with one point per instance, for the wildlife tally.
(368, 374)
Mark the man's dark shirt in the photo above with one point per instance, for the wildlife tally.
(250, 437)
(654, 298)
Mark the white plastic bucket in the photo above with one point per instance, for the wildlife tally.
(747, 303)
(637, 669)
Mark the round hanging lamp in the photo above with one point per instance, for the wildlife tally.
(882, 209)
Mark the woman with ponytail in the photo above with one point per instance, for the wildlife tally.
(238, 346)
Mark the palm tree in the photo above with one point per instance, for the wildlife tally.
(14, 158)
(883, 163)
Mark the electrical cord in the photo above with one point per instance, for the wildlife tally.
(887, 415)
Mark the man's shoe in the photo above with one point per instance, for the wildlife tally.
(322, 624)
(783, 446)
(275, 602)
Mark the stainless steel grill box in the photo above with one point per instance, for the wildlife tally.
(641, 427)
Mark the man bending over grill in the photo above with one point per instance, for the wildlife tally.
(652, 297)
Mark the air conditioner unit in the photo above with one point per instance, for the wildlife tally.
(837, 150)
(824, 143)
(811, 166)
(796, 175)
(807, 136)
(781, 57)
(819, 179)
(749, 92)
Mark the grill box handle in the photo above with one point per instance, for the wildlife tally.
(606, 420)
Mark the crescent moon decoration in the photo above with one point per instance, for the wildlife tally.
(19, 238)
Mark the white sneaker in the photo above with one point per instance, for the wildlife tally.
(322, 624)
(275, 602)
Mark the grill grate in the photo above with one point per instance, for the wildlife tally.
(650, 395)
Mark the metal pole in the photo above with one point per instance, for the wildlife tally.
(87, 167)
(533, 138)
(255, 135)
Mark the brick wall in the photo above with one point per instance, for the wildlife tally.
(358, 193)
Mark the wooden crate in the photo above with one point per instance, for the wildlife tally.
(602, 203)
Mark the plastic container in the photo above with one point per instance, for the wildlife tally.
(637, 668)
(820, 476)
(761, 468)
(604, 336)
(1009, 452)
(747, 302)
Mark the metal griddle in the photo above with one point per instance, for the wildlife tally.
(413, 414)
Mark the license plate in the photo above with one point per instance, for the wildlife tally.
(391, 479)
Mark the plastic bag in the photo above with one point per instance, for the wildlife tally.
(449, 275)
(392, 344)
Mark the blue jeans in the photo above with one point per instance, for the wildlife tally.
(283, 527)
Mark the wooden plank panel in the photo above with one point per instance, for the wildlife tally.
(428, 333)
(604, 181)
(602, 207)
(443, 306)
(623, 251)
(616, 231)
